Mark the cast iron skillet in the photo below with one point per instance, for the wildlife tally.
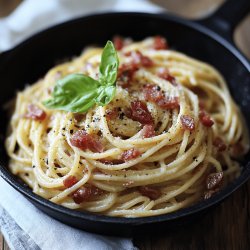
(32, 58)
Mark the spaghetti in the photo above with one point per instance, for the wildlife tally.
(170, 136)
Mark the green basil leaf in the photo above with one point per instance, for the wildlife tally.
(109, 65)
(74, 93)
(105, 95)
(78, 93)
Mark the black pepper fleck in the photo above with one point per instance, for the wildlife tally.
(121, 116)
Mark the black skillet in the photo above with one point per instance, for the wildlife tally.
(31, 59)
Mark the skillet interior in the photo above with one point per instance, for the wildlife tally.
(31, 60)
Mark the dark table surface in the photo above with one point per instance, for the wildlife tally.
(225, 227)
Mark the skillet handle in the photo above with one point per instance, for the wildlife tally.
(226, 17)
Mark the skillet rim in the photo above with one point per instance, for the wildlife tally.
(179, 214)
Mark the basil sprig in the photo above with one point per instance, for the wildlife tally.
(78, 92)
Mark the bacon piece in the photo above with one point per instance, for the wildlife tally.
(214, 180)
(118, 42)
(205, 119)
(148, 131)
(146, 61)
(139, 59)
(187, 122)
(202, 104)
(130, 154)
(150, 192)
(128, 112)
(85, 194)
(124, 81)
(209, 193)
(143, 60)
(219, 144)
(139, 112)
(169, 103)
(160, 43)
(126, 74)
(164, 74)
(111, 113)
(35, 113)
(79, 117)
(70, 181)
(126, 71)
(82, 140)
(153, 93)
(67, 152)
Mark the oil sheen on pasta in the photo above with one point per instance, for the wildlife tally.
(170, 137)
